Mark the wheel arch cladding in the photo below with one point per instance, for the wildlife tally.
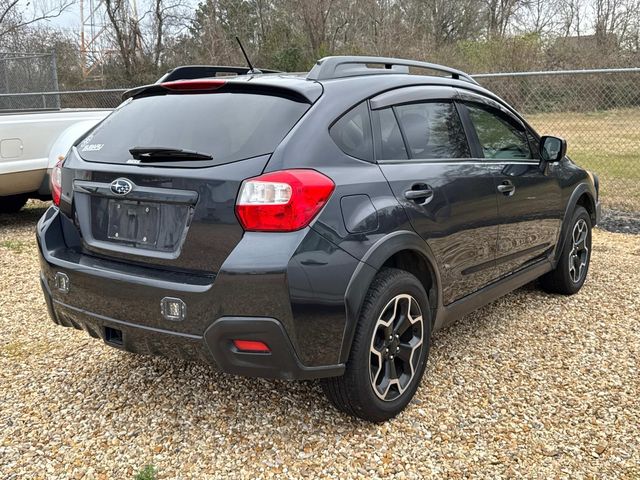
(583, 195)
(401, 249)
(586, 200)
(419, 266)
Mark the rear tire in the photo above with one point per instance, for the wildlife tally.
(12, 203)
(573, 265)
(389, 350)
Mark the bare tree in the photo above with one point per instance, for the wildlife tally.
(15, 15)
(572, 17)
(452, 21)
(499, 14)
(542, 17)
(125, 28)
(612, 19)
(139, 39)
(315, 22)
(168, 17)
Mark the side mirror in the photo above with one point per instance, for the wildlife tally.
(552, 149)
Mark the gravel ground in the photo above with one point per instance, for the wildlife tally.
(620, 221)
(532, 385)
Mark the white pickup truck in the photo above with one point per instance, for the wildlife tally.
(30, 145)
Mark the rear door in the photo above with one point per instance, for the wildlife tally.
(448, 194)
(529, 198)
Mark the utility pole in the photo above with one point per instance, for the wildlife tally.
(93, 41)
(95, 44)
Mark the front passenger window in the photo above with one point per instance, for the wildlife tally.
(498, 138)
(534, 144)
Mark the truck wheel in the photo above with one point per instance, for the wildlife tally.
(389, 350)
(12, 203)
(571, 272)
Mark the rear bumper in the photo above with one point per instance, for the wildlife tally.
(16, 183)
(134, 338)
(214, 347)
(123, 310)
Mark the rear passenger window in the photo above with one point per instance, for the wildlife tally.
(391, 144)
(433, 130)
(498, 138)
(352, 133)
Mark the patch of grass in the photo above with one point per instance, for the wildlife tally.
(148, 472)
(20, 350)
(624, 165)
(14, 350)
(17, 246)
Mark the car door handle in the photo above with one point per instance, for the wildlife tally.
(419, 193)
(507, 188)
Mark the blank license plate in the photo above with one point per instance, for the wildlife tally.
(133, 222)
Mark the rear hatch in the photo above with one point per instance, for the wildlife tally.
(156, 182)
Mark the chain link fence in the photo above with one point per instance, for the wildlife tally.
(38, 101)
(27, 72)
(597, 111)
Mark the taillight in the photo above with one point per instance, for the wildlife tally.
(56, 181)
(282, 201)
(197, 84)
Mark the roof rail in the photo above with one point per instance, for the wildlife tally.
(349, 66)
(191, 72)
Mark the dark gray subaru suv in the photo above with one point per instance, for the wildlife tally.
(309, 226)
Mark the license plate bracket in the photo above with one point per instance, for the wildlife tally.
(134, 222)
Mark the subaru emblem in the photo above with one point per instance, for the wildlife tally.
(121, 186)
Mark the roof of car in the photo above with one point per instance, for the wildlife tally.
(328, 68)
(350, 77)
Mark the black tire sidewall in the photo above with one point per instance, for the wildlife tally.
(397, 282)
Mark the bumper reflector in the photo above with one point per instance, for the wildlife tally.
(251, 346)
(61, 282)
(173, 309)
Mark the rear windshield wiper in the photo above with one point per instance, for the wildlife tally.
(154, 154)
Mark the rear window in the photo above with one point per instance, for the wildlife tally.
(352, 133)
(227, 126)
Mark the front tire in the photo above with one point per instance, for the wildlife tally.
(389, 351)
(573, 265)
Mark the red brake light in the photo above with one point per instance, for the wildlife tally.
(282, 201)
(197, 84)
(55, 181)
(251, 346)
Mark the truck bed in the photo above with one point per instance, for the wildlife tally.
(26, 142)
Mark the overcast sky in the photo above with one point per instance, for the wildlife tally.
(69, 19)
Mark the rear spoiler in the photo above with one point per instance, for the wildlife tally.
(294, 88)
(191, 72)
